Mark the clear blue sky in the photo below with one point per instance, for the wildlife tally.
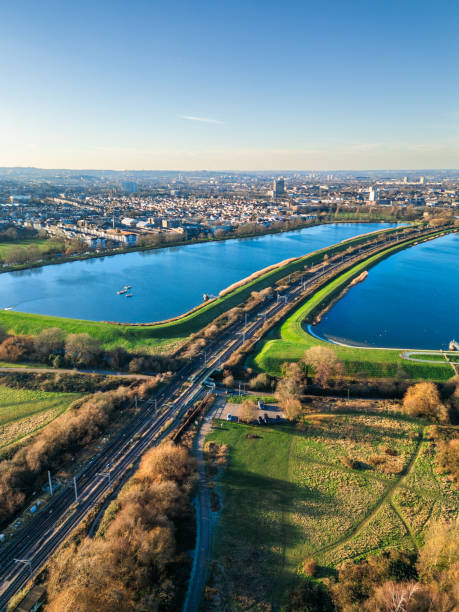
(229, 84)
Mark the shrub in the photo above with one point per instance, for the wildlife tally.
(16, 348)
(352, 464)
(376, 460)
(422, 399)
(260, 382)
(228, 381)
(309, 596)
(447, 456)
(309, 567)
(440, 551)
(356, 581)
(292, 408)
(130, 566)
(49, 342)
(82, 349)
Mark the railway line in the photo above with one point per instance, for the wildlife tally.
(34, 544)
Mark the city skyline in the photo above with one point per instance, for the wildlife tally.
(229, 87)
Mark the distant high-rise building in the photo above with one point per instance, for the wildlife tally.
(421, 180)
(373, 195)
(130, 187)
(278, 186)
(405, 179)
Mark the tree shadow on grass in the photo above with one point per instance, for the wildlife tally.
(254, 533)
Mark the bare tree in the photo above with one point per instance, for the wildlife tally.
(422, 399)
(49, 341)
(288, 388)
(393, 597)
(248, 411)
(292, 382)
(292, 408)
(325, 364)
(81, 349)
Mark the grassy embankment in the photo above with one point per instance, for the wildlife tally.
(23, 412)
(364, 216)
(289, 340)
(287, 496)
(168, 334)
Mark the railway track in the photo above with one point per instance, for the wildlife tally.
(48, 529)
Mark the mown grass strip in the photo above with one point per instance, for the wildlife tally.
(161, 334)
(292, 340)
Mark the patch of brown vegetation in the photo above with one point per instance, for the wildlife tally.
(129, 568)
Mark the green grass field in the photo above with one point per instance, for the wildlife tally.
(165, 336)
(287, 496)
(43, 245)
(22, 411)
(238, 399)
(289, 341)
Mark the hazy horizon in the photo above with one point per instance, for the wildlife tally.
(231, 170)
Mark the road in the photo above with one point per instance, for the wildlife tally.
(37, 541)
(203, 531)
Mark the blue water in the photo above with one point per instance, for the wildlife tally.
(165, 282)
(409, 300)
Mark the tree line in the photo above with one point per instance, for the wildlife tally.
(52, 347)
(138, 560)
(66, 435)
(392, 581)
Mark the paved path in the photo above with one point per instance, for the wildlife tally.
(203, 519)
(408, 355)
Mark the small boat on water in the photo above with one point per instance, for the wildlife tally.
(127, 287)
(129, 294)
(121, 291)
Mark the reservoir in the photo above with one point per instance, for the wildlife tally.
(409, 300)
(165, 282)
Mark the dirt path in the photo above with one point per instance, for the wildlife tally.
(20, 370)
(386, 497)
